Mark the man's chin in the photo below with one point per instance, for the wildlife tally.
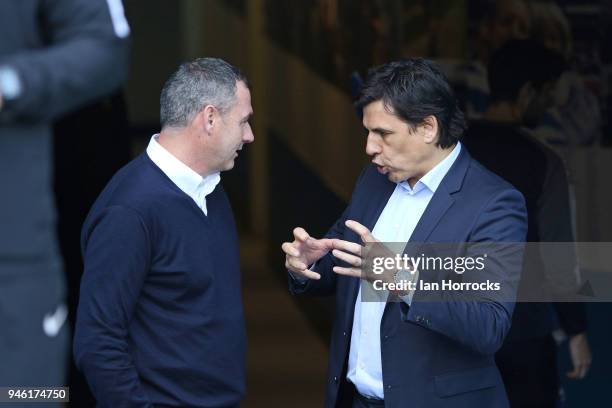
(393, 177)
(396, 177)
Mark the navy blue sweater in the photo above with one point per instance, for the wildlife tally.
(160, 319)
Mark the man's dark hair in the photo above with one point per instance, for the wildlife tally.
(414, 89)
(195, 84)
(518, 62)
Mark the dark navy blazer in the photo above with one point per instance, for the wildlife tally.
(434, 354)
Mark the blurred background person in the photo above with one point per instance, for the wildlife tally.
(575, 116)
(574, 119)
(55, 56)
(492, 23)
(522, 77)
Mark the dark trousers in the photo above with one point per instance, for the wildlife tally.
(529, 370)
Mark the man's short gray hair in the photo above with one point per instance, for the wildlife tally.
(195, 84)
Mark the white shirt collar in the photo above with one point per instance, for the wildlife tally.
(190, 182)
(433, 177)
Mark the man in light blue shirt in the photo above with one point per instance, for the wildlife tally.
(421, 187)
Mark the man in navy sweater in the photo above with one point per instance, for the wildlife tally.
(160, 319)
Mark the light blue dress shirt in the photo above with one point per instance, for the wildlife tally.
(395, 224)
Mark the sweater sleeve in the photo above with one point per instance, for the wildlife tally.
(116, 254)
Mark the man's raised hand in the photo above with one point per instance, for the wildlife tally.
(350, 252)
(303, 252)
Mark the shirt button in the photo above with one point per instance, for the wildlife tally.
(344, 334)
(335, 380)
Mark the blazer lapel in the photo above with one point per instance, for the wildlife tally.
(443, 198)
(437, 207)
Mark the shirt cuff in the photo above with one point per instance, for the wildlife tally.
(298, 279)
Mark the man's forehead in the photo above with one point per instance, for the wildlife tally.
(376, 111)
(244, 94)
(243, 99)
(242, 89)
(379, 106)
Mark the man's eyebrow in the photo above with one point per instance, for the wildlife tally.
(247, 118)
(381, 131)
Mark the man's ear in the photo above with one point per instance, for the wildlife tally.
(429, 129)
(207, 119)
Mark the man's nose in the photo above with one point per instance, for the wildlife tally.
(248, 136)
(372, 146)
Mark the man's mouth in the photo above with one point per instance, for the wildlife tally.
(381, 169)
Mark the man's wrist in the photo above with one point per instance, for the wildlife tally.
(401, 278)
(405, 279)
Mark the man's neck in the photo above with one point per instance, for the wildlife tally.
(179, 143)
(437, 158)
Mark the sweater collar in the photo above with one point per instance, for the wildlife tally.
(190, 182)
